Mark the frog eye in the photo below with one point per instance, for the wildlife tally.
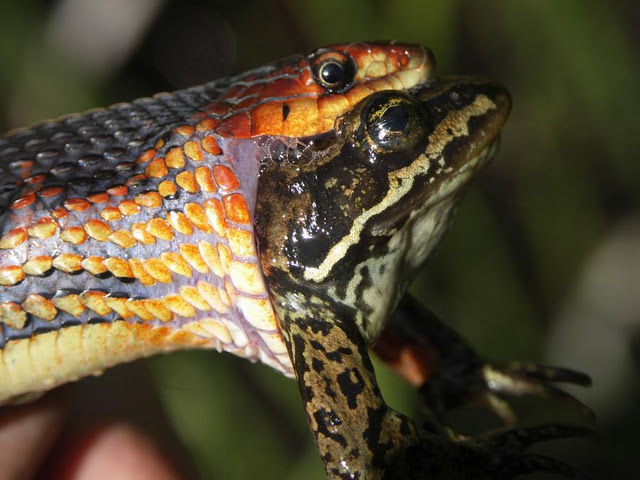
(393, 122)
(333, 71)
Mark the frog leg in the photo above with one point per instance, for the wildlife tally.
(357, 434)
(435, 358)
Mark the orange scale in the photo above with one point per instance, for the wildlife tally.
(179, 305)
(236, 208)
(74, 235)
(136, 179)
(205, 179)
(219, 108)
(76, 204)
(119, 267)
(303, 118)
(238, 126)
(332, 105)
(139, 232)
(241, 242)
(187, 181)
(185, 130)
(94, 265)
(174, 158)
(13, 238)
(40, 307)
(147, 156)
(215, 216)
(129, 207)
(210, 255)
(196, 214)
(210, 145)
(139, 309)
(59, 212)
(122, 238)
(157, 270)
(253, 89)
(98, 229)
(167, 188)
(285, 87)
(174, 262)
(246, 102)
(12, 314)
(267, 118)
(225, 178)
(68, 262)
(193, 150)
(180, 222)
(159, 228)
(191, 254)
(44, 228)
(137, 268)
(207, 124)
(225, 256)
(357, 93)
(23, 201)
(11, 275)
(149, 199)
(32, 180)
(94, 301)
(157, 168)
(98, 198)
(119, 191)
(50, 192)
(110, 214)
(39, 265)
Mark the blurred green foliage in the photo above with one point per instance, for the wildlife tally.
(567, 174)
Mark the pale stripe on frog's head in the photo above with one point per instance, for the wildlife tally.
(365, 204)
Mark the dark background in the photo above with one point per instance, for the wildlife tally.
(542, 263)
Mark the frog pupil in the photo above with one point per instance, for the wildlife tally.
(332, 73)
(394, 119)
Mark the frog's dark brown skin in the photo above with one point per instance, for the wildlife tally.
(327, 317)
(132, 230)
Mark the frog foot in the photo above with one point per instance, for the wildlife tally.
(488, 383)
(498, 455)
(430, 355)
(508, 455)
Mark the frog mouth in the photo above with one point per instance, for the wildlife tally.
(456, 184)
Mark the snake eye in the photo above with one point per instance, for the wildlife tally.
(333, 71)
(393, 123)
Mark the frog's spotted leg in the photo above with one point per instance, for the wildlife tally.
(360, 437)
(430, 355)
(127, 231)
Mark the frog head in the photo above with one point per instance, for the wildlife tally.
(351, 215)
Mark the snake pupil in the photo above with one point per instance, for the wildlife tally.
(332, 73)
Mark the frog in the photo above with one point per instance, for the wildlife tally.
(366, 205)
(279, 215)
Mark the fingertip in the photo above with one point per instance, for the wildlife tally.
(116, 450)
(27, 433)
